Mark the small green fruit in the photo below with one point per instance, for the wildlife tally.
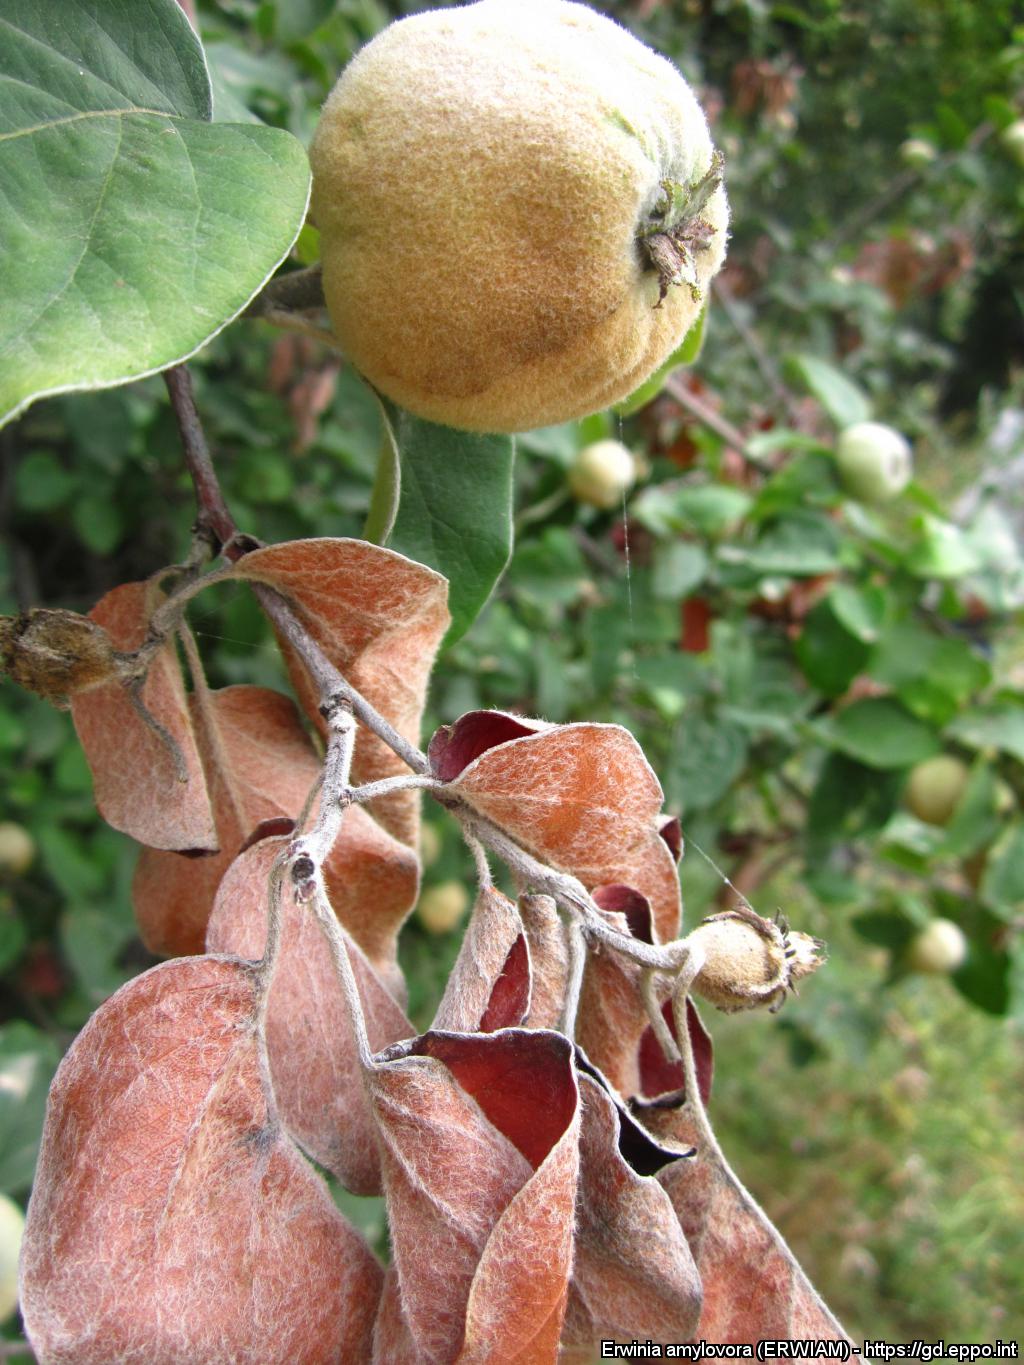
(17, 848)
(917, 153)
(441, 907)
(504, 192)
(935, 787)
(12, 1229)
(938, 949)
(601, 473)
(874, 461)
(1011, 139)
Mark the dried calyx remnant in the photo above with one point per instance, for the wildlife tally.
(750, 961)
(676, 230)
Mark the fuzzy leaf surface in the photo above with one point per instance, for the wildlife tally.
(135, 778)
(753, 1285)
(379, 618)
(259, 765)
(314, 1062)
(489, 986)
(171, 1219)
(134, 227)
(479, 1137)
(581, 797)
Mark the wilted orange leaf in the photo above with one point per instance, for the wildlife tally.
(633, 1274)
(611, 1017)
(313, 1058)
(136, 776)
(479, 1137)
(753, 1286)
(489, 986)
(582, 797)
(549, 960)
(171, 1220)
(259, 765)
(379, 618)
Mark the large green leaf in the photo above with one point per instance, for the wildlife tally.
(844, 402)
(454, 507)
(132, 226)
(880, 733)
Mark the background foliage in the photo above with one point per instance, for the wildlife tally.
(783, 653)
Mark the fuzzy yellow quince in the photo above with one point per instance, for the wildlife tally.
(520, 212)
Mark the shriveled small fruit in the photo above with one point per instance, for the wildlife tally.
(12, 1229)
(520, 212)
(441, 907)
(935, 787)
(937, 949)
(17, 848)
(875, 463)
(601, 473)
(750, 961)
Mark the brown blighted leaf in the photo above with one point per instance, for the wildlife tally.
(581, 797)
(314, 1063)
(663, 1080)
(633, 1274)
(172, 1220)
(753, 1287)
(56, 653)
(612, 1016)
(489, 986)
(372, 882)
(379, 618)
(136, 773)
(479, 1136)
(549, 960)
(259, 765)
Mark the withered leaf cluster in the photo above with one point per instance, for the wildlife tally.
(543, 1192)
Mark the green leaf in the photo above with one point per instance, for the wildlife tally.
(861, 610)
(829, 654)
(1002, 886)
(454, 508)
(801, 544)
(708, 509)
(932, 675)
(841, 398)
(942, 551)
(880, 733)
(707, 756)
(849, 801)
(28, 1059)
(685, 353)
(886, 928)
(134, 228)
(1000, 726)
(678, 566)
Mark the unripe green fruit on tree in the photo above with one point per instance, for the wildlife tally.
(12, 1228)
(441, 907)
(917, 153)
(935, 787)
(874, 461)
(1011, 139)
(520, 212)
(601, 473)
(17, 848)
(939, 948)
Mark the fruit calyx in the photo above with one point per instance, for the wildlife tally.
(676, 231)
